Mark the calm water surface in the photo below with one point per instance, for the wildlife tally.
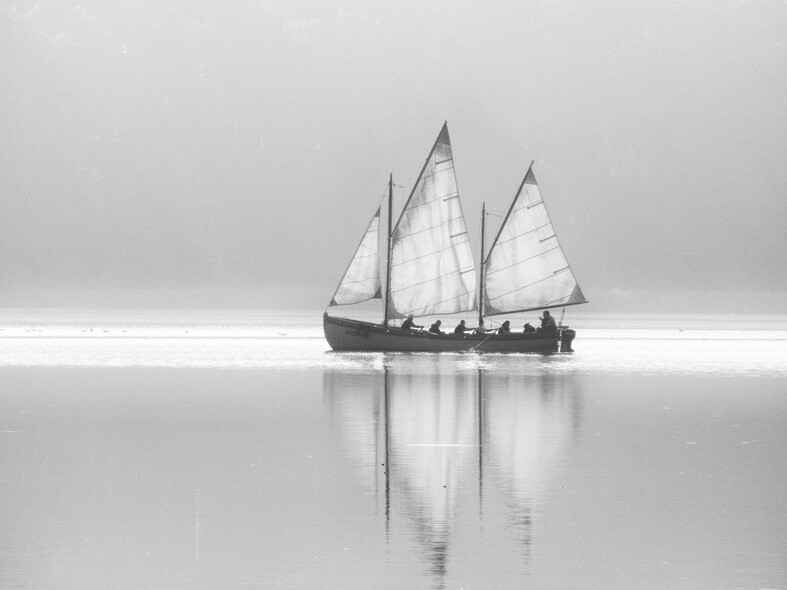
(182, 450)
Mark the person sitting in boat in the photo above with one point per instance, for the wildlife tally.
(480, 329)
(505, 328)
(435, 328)
(461, 328)
(547, 322)
(529, 329)
(408, 323)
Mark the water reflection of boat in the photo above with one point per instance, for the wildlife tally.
(528, 424)
(428, 438)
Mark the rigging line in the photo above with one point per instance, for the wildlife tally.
(444, 197)
(432, 152)
(530, 231)
(440, 251)
(520, 210)
(345, 283)
(431, 227)
(363, 256)
(508, 211)
(436, 172)
(523, 260)
(536, 306)
(556, 302)
(525, 287)
(413, 311)
(432, 280)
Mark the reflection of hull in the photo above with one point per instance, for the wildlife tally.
(355, 335)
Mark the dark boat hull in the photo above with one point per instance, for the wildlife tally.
(354, 335)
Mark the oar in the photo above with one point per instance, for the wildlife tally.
(480, 343)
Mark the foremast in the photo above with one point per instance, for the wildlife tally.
(481, 268)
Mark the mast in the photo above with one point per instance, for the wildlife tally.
(388, 250)
(481, 279)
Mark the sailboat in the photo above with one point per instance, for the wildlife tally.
(430, 270)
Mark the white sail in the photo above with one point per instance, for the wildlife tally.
(526, 267)
(361, 280)
(432, 270)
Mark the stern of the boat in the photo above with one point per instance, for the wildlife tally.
(566, 338)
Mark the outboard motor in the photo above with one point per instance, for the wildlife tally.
(566, 338)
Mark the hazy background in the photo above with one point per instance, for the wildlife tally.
(231, 153)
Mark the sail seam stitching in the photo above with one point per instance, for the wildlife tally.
(459, 272)
(524, 234)
(413, 311)
(523, 260)
(445, 197)
(431, 227)
(397, 264)
(525, 287)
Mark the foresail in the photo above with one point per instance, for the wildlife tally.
(526, 267)
(432, 270)
(361, 280)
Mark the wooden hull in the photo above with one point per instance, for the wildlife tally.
(353, 335)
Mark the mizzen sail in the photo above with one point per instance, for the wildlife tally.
(361, 280)
(432, 270)
(526, 267)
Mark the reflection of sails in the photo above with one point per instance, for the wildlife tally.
(433, 441)
(528, 422)
(356, 401)
(423, 436)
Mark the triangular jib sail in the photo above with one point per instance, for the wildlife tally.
(526, 267)
(432, 270)
(361, 280)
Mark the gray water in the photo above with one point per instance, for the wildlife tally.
(181, 450)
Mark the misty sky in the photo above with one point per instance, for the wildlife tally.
(198, 144)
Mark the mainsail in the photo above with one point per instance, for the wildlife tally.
(526, 268)
(361, 280)
(432, 270)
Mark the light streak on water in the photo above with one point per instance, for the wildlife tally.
(638, 345)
